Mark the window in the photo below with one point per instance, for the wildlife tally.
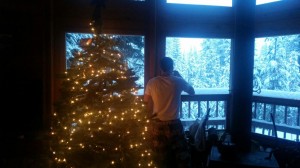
(259, 2)
(277, 76)
(277, 63)
(204, 63)
(203, 2)
(227, 3)
(133, 50)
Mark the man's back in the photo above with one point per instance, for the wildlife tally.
(162, 98)
(165, 92)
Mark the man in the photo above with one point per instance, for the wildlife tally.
(162, 97)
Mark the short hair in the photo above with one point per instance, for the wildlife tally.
(166, 64)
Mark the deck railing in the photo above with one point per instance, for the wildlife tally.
(286, 113)
(195, 107)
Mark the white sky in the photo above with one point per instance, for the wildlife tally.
(187, 44)
(215, 2)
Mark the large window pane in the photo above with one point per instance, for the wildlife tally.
(133, 50)
(277, 63)
(215, 2)
(277, 76)
(203, 2)
(203, 62)
(259, 2)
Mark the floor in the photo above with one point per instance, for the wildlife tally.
(24, 152)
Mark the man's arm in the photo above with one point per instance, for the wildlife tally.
(190, 90)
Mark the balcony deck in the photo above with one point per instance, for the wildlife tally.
(284, 105)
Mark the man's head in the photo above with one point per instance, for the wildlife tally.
(166, 64)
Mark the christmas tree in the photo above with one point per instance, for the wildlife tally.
(99, 120)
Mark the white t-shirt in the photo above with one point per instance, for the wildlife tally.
(166, 94)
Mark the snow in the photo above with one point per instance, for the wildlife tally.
(279, 94)
(264, 93)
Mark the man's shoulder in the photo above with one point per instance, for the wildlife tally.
(156, 78)
(162, 78)
(153, 80)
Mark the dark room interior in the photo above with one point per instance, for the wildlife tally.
(33, 53)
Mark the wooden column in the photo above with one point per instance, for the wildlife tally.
(242, 73)
(160, 39)
(150, 41)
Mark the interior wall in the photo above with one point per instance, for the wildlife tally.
(23, 40)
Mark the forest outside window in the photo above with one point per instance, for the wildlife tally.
(277, 76)
(205, 64)
(277, 63)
